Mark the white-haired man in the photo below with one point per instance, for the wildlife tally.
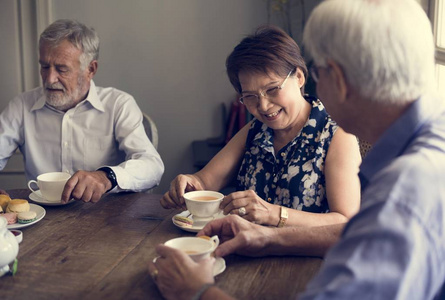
(374, 63)
(71, 125)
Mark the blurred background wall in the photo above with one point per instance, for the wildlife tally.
(170, 55)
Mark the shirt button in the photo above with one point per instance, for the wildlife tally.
(65, 144)
(283, 154)
(269, 199)
(67, 171)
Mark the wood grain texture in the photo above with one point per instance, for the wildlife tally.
(100, 251)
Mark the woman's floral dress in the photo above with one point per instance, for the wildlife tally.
(293, 177)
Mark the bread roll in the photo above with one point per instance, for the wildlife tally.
(4, 201)
(17, 205)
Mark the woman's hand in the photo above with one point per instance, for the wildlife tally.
(248, 205)
(178, 187)
(177, 275)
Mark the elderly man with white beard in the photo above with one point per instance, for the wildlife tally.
(71, 125)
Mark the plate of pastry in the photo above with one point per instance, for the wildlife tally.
(20, 213)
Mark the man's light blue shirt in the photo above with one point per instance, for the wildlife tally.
(394, 248)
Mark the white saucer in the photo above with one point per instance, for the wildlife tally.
(197, 225)
(40, 213)
(218, 267)
(37, 197)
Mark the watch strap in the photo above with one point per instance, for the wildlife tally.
(110, 175)
(284, 215)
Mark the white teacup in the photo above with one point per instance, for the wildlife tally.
(51, 185)
(196, 247)
(203, 205)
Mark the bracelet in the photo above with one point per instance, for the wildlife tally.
(201, 291)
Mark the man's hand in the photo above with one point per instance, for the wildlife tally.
(177, 275)
(86, 186)
(240, 236)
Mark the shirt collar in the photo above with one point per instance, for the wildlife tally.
(92, 98)
(396, 138)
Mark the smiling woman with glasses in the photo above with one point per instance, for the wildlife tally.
(292, 164)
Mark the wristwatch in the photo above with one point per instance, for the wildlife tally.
(284, 215)
(110, 175)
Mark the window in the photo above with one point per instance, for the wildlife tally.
(437, 15)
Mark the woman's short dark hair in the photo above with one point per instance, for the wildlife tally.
(269, 49)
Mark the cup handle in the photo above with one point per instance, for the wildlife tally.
(215, 240)
(31, 182)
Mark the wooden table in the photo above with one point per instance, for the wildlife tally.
(100, 251)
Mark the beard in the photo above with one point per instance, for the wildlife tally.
(63, 100)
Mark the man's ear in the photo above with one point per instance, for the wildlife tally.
(92, 69)
(338, 77)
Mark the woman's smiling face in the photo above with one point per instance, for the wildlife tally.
(280, 110)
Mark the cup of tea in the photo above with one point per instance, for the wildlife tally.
(203, 204)
(196, 247)
(51, 185)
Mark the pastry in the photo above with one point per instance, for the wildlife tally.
(26, 217)
(10, 217)
(4, 200)
(182, 221)
(17, 205)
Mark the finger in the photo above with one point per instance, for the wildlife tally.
(226, 200)
(153, 271)
(182, 185)
(234, 206)
(213, 227)
(96, 196)
(87, 194)
(165, 252)
(228, 247)
(175, 191)
(167, 202)
(69, 187)
(231, 197)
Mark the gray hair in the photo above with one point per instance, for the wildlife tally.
(81, 36)
(385, 47)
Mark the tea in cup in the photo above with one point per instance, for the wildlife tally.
(51, 185)
(203, 205)
(196, 247)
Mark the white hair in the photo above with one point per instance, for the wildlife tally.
(385, 47)
(78, 34)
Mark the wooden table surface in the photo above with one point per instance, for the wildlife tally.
(100, 251)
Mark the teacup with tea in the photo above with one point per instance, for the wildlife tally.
(203, 205)
(196, 247)
(51, 185)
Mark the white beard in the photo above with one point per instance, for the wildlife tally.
(63, 101)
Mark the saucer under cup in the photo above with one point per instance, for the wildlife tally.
(203, 205)
(50, 185)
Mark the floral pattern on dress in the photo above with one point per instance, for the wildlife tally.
(293, 177)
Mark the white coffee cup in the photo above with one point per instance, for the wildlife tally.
(196, 247)
(203, 204)
(51, 185)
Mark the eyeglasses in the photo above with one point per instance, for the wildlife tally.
(271, 93)
(314, 73)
